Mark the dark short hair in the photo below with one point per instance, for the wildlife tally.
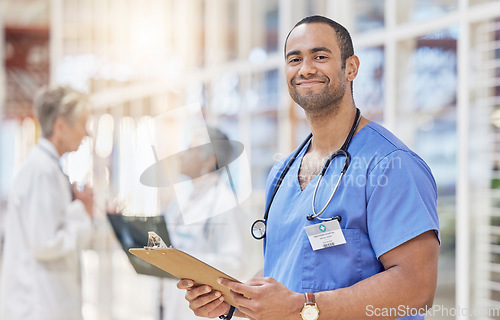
(343, 36)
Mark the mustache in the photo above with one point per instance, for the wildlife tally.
(314, 78)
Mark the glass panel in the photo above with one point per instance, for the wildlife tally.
(263, 107)
(421, 10)
(232, 30)
(303, 8)
(427, 72)
(225, 95)
(369, 15)
(427, 122)
(485, 178)
(10, 143)
(369, 84)
(131, 157)
(226, 105)
(315, 7)
(300, 9)
(271, 21)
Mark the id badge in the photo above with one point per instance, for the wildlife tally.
(325, 234)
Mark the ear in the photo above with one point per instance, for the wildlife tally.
(351, 68)
(60, 126)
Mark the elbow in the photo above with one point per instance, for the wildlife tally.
(424, 299)
(421, 290)
(428, 290)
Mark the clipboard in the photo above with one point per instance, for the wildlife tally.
(184, 266)
(132, 232)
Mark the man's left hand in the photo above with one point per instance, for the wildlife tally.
(265, 299)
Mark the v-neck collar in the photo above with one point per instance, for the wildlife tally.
(298, 164)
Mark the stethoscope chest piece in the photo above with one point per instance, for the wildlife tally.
(259, 229)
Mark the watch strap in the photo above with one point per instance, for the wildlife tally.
(230, 314)
(310, 299)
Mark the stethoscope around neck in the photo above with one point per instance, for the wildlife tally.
(259, 226)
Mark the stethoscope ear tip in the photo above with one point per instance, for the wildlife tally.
(310, 217)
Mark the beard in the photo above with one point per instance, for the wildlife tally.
(323, 102)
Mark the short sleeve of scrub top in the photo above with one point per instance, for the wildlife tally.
(388, 196)
(402, 203)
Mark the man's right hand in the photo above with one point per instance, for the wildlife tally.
(203, 300)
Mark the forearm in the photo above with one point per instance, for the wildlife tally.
(408, 283)
(392, 292)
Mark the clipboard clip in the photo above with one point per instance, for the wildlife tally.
(155, 241)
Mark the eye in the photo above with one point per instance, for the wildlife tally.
(294, 60)
(320, 57)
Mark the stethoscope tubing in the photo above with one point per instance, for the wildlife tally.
(317, 215)
(283, 174)
(343, 151)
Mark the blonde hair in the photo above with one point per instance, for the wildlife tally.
(55, 102)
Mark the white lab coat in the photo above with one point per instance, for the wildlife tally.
(216, 241)
(44, 232)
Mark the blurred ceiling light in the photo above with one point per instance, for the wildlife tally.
(125, 162)
(104, 139)
(147, 37)
(144, 141)
(148, 203)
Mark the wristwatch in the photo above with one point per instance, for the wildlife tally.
(310, 310)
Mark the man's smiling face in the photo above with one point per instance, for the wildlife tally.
(315, 76)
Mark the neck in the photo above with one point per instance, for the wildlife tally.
(330, 130)
(57, 143)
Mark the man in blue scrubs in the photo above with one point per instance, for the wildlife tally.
(382, 261)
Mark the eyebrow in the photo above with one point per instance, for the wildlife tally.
(313, 50)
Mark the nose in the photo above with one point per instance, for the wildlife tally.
(307, 68)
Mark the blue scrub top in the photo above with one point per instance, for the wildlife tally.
(387, 197)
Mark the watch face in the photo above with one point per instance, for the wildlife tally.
(310, 312)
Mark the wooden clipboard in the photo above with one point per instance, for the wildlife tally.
(183, 266)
